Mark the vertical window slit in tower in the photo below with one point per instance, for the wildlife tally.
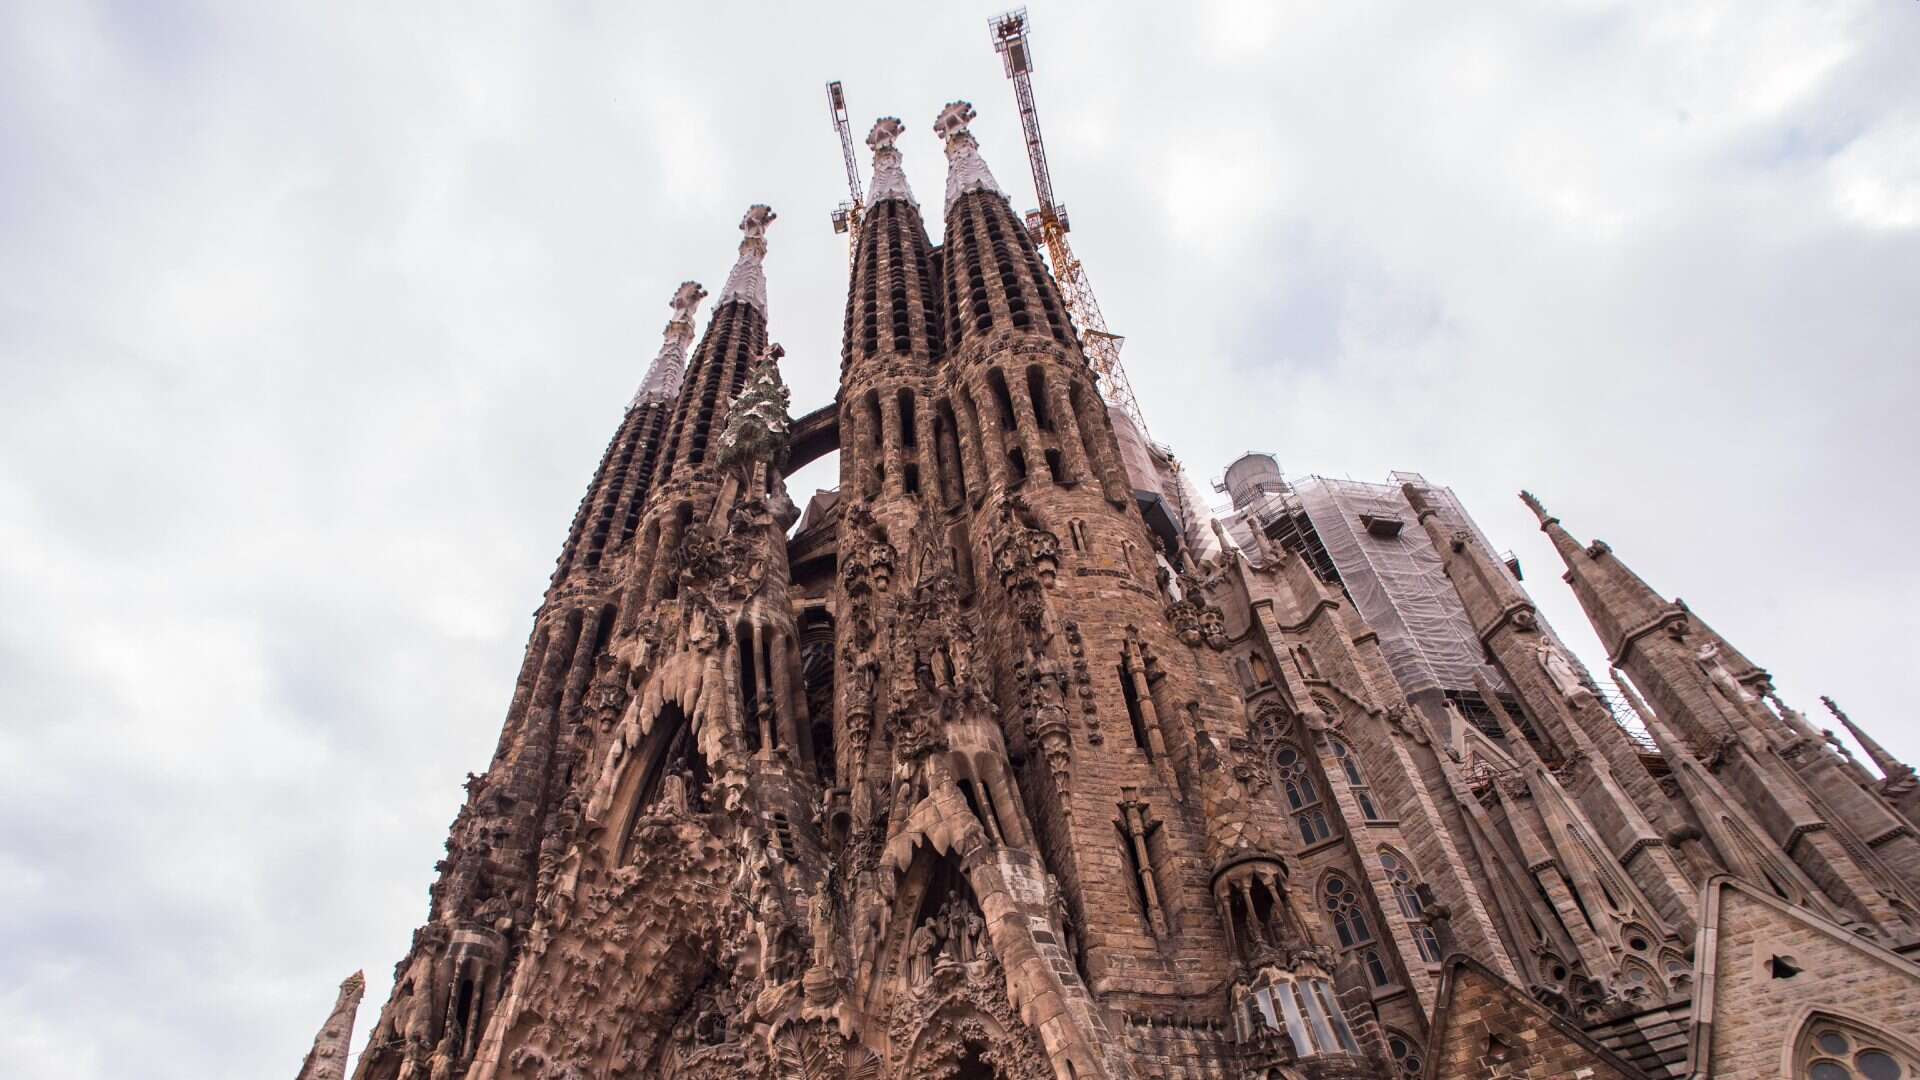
(875, 423)
(1136, 717)
(1056, 465)
(1016, 466)
(1002, 397)
(1136, 874)
(909, 425)
(942, 460)
(749, 683)
(910, 478)
(603, 634)
(1037, 393)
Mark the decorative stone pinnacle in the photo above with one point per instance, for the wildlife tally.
(758, 424)
(748, 279)
(884, 133)
(966, 171)
(889, 180)
(670, 364)
(1539, 511)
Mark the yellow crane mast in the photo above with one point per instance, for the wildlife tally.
(846, 216)
(1049, 224)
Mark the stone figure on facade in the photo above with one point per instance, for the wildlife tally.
(1560, 670)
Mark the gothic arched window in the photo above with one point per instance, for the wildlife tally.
(1405, 1052)
(1303, 795)
(1342, 903)
(1405, 894)
(1376, 968)
(1356, 781)
(1831, 1049)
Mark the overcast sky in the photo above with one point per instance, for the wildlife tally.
(314, 321)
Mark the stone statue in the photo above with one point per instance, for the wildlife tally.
(920, 953)
(1708, 657)
(1560, 670)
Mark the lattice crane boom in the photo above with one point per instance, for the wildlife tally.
(846, 216)
(1049, 224)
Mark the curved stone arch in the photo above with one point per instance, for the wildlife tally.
(692, 684)
(941, 821)
(960, 1025)
(1676, 969)
(640, 774)
(1637, 972)
(1812, 1020)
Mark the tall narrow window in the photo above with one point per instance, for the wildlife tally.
(997, 383)
(909, 424)
(1137, 829)
(1303, 795)
(1037, 394)
(1400, 877)
(1342, 903)
(1356, 781)
(1135, 716)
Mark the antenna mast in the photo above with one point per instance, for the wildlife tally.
(1049, 224)
(846, 216)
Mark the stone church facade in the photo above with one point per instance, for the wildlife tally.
(993, 768)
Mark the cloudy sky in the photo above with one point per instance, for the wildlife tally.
(314, 320)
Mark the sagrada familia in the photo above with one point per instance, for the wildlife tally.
(1012, 760)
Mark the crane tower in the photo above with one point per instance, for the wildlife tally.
(1049, 223)
(846, 216)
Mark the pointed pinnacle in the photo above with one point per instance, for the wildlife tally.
(1539, 511)
(1888, 765)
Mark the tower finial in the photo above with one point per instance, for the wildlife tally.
(966, 171)
(889, 180)
(670, 364)
(748, 279)
(1539, 511)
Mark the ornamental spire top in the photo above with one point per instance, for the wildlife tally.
(889, 180)
(966, 171)
(670, 365)
(748, 279)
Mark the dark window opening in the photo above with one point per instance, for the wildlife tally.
(908, 436)
(1002, 397)
(1136, 717)
(1037, 393)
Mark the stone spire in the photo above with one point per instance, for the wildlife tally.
(328, 1058)
(1624, 608)
(889, 180)
(670, 365)
(1620, 605)
(966, 171)
(1890, 767)
(748, 279)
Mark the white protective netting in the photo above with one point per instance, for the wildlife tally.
(1398, 583)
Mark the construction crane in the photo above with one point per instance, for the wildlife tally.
(846, 216)
(1049, 224)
